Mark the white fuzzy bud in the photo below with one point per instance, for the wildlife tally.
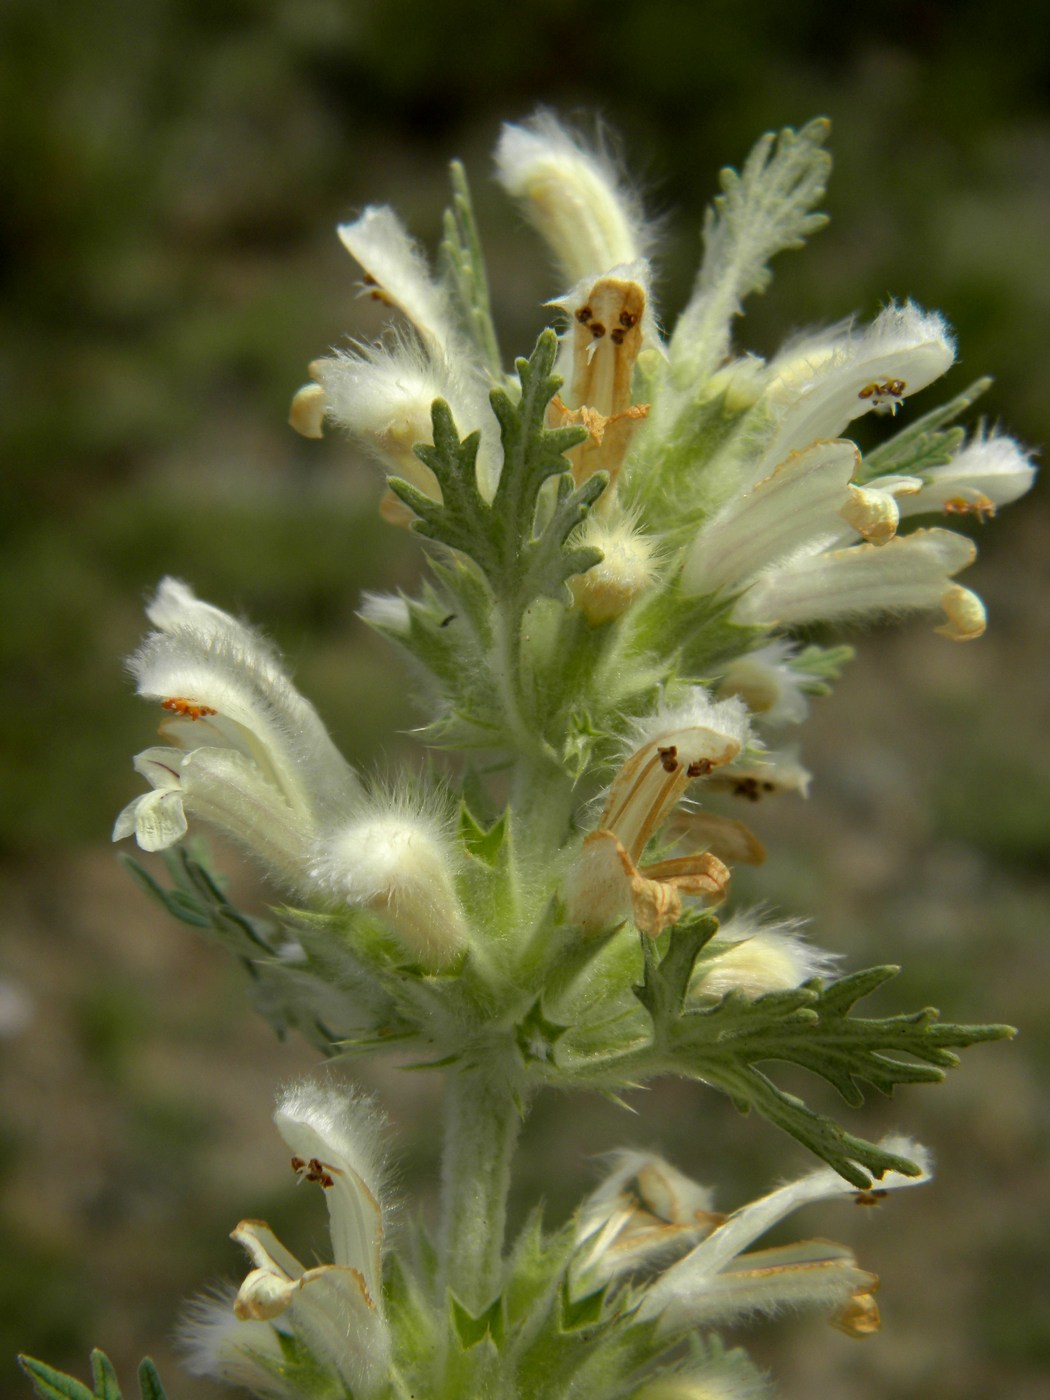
(626, 570)
(574, 197)
(767, 684)
(754, 959)
(400, 865)
(386, 612)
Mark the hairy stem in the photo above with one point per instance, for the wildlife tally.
(481, 1125)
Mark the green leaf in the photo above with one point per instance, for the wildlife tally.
(50, 1384)
(521, 557)
(811, 1027)
(816, 667)
(927, 442)
(463, 272)
(666, 982)
(150, 1386)
(104, 1377)
(764, 209)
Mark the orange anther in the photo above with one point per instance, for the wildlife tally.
(186, 708)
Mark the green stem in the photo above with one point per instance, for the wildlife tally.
(481, 1125)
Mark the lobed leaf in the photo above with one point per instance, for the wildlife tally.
(810, 1026)
(764, 209)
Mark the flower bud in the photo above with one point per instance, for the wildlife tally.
(754, 959)
(574, 197)
(767, 684)
(399, 865)
(608, 589)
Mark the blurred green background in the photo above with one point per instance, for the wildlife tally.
(172, 175)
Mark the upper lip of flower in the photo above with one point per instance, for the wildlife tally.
(226, 688)
(338, 1306)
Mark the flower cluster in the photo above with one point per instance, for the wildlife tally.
(621, 535)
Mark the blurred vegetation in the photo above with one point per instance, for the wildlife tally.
(172, 172)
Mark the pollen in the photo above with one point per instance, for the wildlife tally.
(981, 508)
(886, 397)
(187, 709)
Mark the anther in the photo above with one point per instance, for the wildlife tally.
(669, 758)
(314, 1170)
(186, 708)
(584, 315)
(597, 329)
(699, 768)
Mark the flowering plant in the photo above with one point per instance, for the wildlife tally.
(623, 536)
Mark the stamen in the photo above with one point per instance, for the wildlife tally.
(315, 1170)
(870, 1198)
(981, 508)
(186, 708)
(885, 397)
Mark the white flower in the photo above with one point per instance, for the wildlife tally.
(795, 511)
(721, 1281)
(817, 387)
(575, 197)
(336, 1310)
(399, 863)
(761, 772)
(644, 1212)
(157, 818)
(988, 473)
(383, 396)
(219, 1345)
(907, 574)
(777, 545)
(396, 274)
(247, 753)
(671, 748)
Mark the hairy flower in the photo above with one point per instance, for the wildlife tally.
(247, 754)
(644, 1213)
(626, 570)
(673, 747)
(382, 396)
(336, 1310)
(818, 386)
(722, 1280)
(989, 472)
(574, 196)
